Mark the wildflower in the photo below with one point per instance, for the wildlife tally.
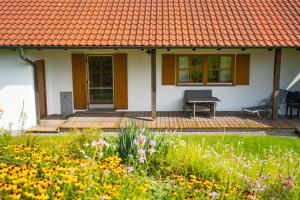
(99, 143)
(140, 140)
(83, 152)
(214, 195)
(142, 160)
(130, 156)
(141, 152)
(86, 144)
(142, 130)
(100, 154)
(151, 151)
(152, 143)
(129, 169)
(289, 183)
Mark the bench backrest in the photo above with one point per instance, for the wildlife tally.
(197, 93)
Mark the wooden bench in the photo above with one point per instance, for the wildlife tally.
(199, 100)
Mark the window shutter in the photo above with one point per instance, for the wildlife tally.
(120, 81)
(242, 69)
(168, 69)
(79, 81)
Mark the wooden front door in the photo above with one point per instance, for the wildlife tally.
(40, 64)
(100, 81)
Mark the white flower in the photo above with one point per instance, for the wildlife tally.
(142, 130)
(86, 144)
(100, 154)
(83, 152)
(151, 151)
(99, 143)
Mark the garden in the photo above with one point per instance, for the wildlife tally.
(139, 164)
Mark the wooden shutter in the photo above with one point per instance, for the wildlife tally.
(242, 69)
(120, 81)
(41, 75)
(79, 81)
(168, 69)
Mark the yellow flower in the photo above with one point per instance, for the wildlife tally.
(15, 196)
(59, 194)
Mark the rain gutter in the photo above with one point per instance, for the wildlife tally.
(35, 79)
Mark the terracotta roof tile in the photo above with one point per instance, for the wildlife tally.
(149, 23)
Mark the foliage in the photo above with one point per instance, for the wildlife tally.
(228, 164)
(141, 149)
(90, 143)
(180, 167)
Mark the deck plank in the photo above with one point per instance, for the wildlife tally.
(167, 120)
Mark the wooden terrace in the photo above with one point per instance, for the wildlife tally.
(165, 120)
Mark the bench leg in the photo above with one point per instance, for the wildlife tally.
(194, 109)
(214, 110)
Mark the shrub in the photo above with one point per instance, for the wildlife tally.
(141, 149)
(5, 137)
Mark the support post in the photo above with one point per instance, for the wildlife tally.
(153, 83)
(276, 83)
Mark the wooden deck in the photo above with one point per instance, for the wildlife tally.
(164, 120)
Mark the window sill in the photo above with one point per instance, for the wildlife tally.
(207, 84)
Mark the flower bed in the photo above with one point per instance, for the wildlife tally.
(140, 164)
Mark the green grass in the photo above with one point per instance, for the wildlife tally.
(250, 143)
(250, 163)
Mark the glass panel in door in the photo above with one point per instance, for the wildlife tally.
(100, 80)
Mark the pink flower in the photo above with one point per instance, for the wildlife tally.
(140, 140)
(214, 195)
(289, 183)
(152, 143)
(142, 152)
(142, 160)
(129, 169)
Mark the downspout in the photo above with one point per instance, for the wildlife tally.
(36, 84)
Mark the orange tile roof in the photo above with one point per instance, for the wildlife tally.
(207, 23)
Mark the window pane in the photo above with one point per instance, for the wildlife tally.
(183, 62)
(225, 76)
(213, 62)
(226, 62)
(213, 76)
(197, 76)
(184, 76)
(197, 62)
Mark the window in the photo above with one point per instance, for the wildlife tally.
(204, 69)
(219, 69)
(190, 69)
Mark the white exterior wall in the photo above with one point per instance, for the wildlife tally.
(16, 87)
(16, 81)
(58, 66)
(233, 98)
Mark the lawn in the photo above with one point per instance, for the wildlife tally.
(138, 164)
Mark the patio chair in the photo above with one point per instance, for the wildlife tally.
(265, 106)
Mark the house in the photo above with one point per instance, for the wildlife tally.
(59, 56)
